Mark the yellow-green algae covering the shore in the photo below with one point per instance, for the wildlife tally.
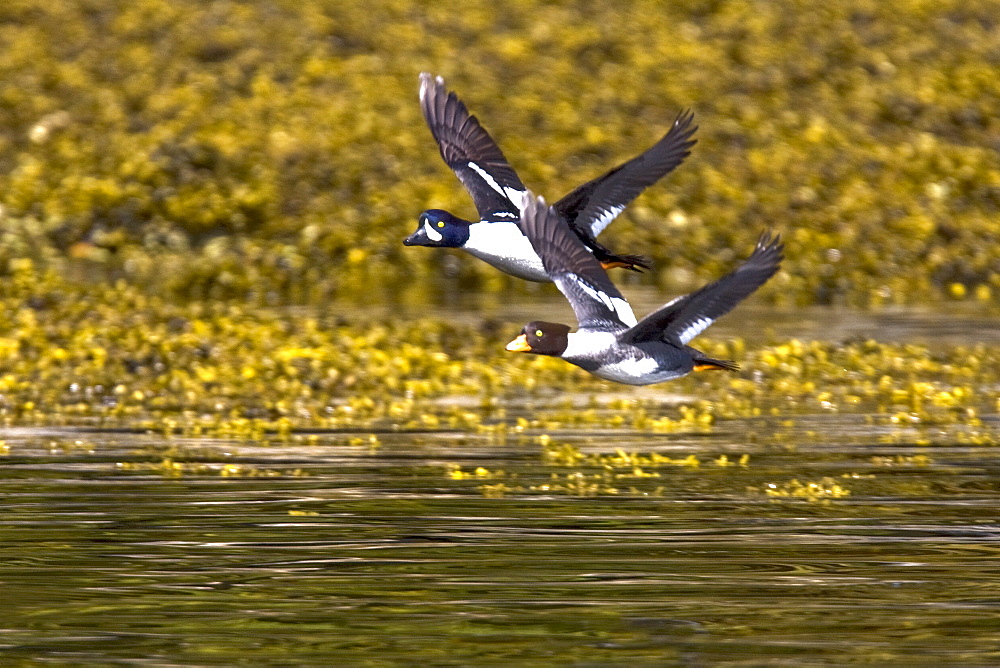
(189, 191)
(109, 356)
(275, 151)
(113, 356)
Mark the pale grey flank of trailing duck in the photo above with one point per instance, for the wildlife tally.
(497, 191)
(651, 351)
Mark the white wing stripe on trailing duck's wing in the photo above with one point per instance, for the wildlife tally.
(694, 329)
(615, 304)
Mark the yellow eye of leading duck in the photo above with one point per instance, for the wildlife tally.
(440, 223)
(538, 333)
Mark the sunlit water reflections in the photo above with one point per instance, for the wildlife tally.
(372, 555)
(823, 538)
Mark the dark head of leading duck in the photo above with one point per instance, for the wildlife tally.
(439, 228)
(541, 338)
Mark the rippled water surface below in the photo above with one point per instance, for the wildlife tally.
(340, 553)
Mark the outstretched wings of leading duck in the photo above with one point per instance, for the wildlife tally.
(497, 192)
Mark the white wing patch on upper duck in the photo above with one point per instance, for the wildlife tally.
(512, 194)
(485, 176)
(607, 215)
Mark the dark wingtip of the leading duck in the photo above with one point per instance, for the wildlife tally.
(769, 239)
(683, 124)
(428, 81)
(769, 248)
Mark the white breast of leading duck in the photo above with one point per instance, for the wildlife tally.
(505, 247)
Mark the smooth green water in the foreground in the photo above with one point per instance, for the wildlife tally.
(349, 554)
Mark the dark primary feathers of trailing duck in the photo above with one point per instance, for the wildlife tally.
(595, 300)
(686, 317)
(609, 344)
(497, 191)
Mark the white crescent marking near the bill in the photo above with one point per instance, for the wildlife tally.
(432, 234)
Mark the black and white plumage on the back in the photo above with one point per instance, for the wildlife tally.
(497, 190)
(605, 344)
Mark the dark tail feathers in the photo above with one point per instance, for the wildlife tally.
(630, 262)
(709, 364)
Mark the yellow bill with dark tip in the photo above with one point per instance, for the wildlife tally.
(519, 345)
